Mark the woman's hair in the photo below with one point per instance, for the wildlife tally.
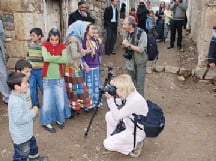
(54, 32)
(124, 85)
(87, 30)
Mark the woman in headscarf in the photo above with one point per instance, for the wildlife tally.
(77, 92)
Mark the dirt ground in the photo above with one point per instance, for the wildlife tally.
(189, 108)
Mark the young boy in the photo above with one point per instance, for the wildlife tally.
(133, 14)
(151, 24)
(21, 120)
(34, 56)
(23, 66)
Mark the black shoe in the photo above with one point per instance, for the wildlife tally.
(61, 126)
(114, 53)
(39, 158)
(52, 129)
(170, 47)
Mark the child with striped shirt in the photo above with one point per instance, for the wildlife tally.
(34, 56)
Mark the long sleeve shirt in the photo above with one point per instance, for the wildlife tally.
(93, 62)
(135, 103)
(34, 55)
(53, 71)
(179, 10)
(20, 118)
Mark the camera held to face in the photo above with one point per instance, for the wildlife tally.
(109, 89)
(128, 54)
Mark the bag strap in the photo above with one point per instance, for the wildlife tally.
(135, 128)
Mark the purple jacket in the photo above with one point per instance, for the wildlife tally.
(93, 62)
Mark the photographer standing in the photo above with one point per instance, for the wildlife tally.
(123, 141)
(135, 44)
(179, 11)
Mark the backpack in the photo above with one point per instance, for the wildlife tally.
(152, 49)
(153, 123)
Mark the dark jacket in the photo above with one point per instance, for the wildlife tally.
(108, 14)
(212, 51)
(142, 15)
(77, 16)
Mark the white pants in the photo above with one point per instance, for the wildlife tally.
(123, 141)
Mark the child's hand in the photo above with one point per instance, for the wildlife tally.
(87, 69)
(35, 109)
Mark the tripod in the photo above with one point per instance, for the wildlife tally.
(106, 81)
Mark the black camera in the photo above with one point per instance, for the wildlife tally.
(109, 89)
(128, 54)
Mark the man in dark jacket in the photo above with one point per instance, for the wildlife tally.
(80, 14)
(212, 50)
(179, 11)
(111, 24)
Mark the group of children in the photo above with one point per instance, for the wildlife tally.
(67, 75)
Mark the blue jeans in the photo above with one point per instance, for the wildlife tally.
(22, 151)
(55, 102)
(35, 81)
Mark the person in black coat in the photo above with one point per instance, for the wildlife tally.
(142, 15)
(212, 50)
(111, 24)
(80, 14)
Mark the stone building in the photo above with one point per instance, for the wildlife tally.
(202, 15)
(19, 16)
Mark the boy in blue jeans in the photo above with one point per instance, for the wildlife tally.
(21, 120)
(34, 56)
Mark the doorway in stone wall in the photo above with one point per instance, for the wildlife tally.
(55, 15)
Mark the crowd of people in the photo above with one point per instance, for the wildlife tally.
(68, 74)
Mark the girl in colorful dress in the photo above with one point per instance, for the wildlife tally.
(55, 103)
(91, 62)
(76, 88)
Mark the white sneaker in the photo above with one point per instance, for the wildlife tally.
(135, 153)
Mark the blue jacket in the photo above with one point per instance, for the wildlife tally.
(20, 118)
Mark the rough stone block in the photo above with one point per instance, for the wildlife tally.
(159, 68)
(149, 70)
(11, 62)
(10, 34)
(181, 78)
(24, 22)
(21, 5)
(184, 72)
(171, 69)
(16, 48)
(8, 25)
(204, 81)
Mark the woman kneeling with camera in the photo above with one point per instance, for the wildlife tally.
(123, 141)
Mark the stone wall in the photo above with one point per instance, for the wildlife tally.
(19, 16)
(202, 19)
